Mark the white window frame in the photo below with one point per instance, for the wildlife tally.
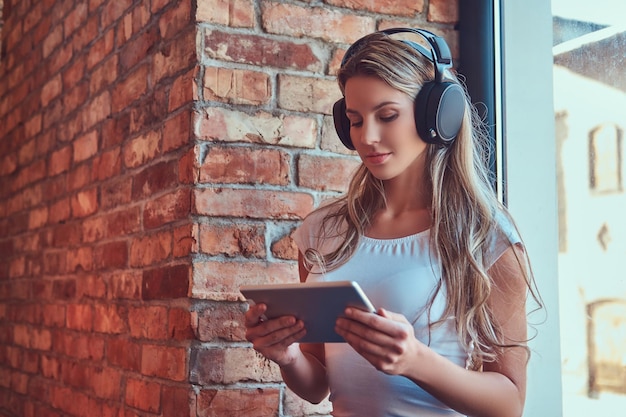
(525, 140)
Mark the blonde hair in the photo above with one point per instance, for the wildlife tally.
(463, 204)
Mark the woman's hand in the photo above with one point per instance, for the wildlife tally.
(275, 339)
(386, 339)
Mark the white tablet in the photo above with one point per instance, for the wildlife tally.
(318, 304)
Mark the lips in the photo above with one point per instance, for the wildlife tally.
(377, 158)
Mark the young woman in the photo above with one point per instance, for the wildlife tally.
(423, 234)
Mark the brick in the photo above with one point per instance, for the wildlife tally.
(220, 281)
(326, 174)
(252, 203)
(106, 382)
(154, 178)
(232, 240)
(8, 165)
(285, 248)
(167, 208)
(73, 99)
(115, 130)
(74, 73)
(224, 125)
(164, 362)
(53, 315)
(253, 402)
(86, 146)
(296, 406)
(305, 21)
(111, 319)
(79, 346)
(179, 324)
(32, 127)
(176, 19)
(179, 55)
(76, 18)
(124, 353)
(50, 367)
(111, 255)
(117, 192)
(307, 94)
(37, 218)
(124, 222)
(176, 401)
(125, 285)
(221, 321)
(177, 131)
(32, 17)
(54, 262)
(51, 90)
(388, 7)
(130, 89)
(166, 282)
(245, 165)
(143, 395)
(107, 164)
(443, 11)
(67, 234)
(113, 10)
(79, 317)
(183, 91)
(84, 203)
(236, 86)
(137, 49)
(52, 41)
(223, 366)
(149, 111)
(232, 13)
(91, 286)
(101, 49)
(267, 52)
(97, 110)
(64, 289)
(151, 249)
(17, 267)
(60, 161)
(142, 149)
(148, 322)
(104, 75)
(185, 240)
(79, 177)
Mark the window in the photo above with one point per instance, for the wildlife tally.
(589, 55)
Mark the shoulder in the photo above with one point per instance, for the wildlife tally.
(504, 235)
(312, 230)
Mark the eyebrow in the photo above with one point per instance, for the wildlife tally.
(378, 106)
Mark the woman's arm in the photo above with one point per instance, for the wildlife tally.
(388, 342)
(301, 365)
(314, 389)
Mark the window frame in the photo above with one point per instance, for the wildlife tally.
(525, 137)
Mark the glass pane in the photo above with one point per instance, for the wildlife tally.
(590, 118)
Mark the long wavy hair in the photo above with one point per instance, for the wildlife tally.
(463, 204)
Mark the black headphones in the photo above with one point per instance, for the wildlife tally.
(439, 105)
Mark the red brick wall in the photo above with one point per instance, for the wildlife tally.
(155, 155)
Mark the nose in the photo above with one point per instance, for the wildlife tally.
(369, 133)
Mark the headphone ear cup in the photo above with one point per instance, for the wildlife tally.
(439, 111)
(342, 124)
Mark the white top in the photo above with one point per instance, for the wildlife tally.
(401, 276)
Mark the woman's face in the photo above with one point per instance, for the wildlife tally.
(382, 128)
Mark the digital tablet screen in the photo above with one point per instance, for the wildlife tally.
(317, 304)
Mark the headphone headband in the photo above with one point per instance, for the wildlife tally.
(439, 53)
(439, 105)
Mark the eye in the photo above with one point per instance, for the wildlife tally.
(390, 118)
(355, 121)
